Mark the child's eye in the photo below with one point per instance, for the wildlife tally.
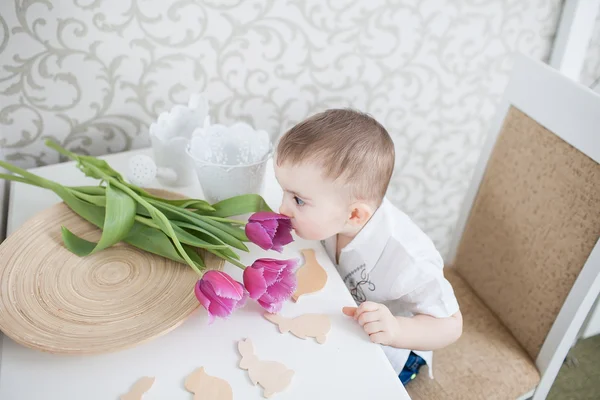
(299, 201)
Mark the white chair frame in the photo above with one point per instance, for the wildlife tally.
(572, 112)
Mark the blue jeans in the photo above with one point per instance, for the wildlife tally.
(411, 368)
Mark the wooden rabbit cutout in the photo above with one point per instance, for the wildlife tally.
(274, 377)
(139, 388)
(311, 276)
(206, 387)
(307, 325)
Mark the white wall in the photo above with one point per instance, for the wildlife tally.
(590, 75)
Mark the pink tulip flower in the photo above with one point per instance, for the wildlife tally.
(220, 294)
(271, 282)
(269, 230)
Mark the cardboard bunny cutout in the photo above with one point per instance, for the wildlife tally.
(139, 388)
(274, 377)
(206, 387)
(303, 326)
(311, 276)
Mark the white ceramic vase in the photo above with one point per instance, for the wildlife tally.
(230, 160)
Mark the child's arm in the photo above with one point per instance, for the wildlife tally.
(421, 332)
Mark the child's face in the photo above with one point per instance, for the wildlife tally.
(317, 206)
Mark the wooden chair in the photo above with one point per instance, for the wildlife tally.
(525, 259)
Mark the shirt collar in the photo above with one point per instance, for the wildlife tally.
(373, 237)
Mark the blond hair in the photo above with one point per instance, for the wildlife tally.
(348, 145)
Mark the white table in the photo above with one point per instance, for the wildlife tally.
(347, 366)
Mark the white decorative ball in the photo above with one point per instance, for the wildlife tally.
(142, 170)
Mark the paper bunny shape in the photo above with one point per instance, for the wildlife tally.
(303, 326)
(139, 388)
(206, 387)
(312, 277)
(274, 377)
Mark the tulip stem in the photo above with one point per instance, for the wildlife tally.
(226, 257)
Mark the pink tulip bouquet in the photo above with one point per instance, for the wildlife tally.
(268, 281)
(177, 230)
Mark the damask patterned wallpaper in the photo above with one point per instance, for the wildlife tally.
(93, 74)
(590, 75)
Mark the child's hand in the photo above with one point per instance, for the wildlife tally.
(377, 321)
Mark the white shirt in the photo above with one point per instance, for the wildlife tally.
(392, 262)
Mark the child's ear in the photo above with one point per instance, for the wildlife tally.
(360, 213)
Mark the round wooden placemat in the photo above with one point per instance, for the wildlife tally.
(55, 301)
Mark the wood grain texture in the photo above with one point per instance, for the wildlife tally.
(54, 301)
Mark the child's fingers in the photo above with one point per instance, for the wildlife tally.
(349, 311)
(369, 316)
(379, 337)
(366, 307)
(373, 327)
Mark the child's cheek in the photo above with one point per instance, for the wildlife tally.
(302, 227)
(312, 231)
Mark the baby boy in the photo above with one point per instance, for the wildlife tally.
(334, 169)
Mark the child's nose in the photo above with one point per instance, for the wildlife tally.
(285, 211)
